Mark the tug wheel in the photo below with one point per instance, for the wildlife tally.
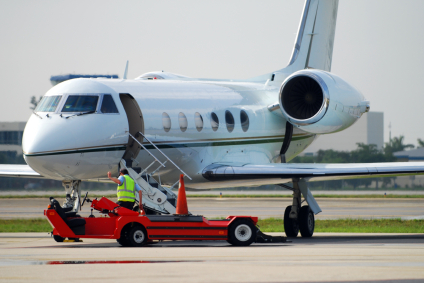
(58, 239)
(137, 236)
(123, 240)
(291, 226)
(242, 232)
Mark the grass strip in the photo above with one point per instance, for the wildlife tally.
(91, 196)
(266, 225)
(316, 196)
(25, 225)
(352, 225)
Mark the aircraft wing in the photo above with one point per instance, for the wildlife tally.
(284, 172)
(15, 170)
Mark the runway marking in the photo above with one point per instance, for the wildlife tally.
(22, 262)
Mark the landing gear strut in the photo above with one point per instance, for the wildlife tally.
(297, 217)
(73, 194)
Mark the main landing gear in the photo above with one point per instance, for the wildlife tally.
(297, 217)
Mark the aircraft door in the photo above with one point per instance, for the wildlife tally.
(135, 122)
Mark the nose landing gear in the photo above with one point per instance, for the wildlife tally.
(73, 195)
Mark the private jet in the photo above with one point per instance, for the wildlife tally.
(217, 133)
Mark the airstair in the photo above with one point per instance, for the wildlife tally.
(156, 198)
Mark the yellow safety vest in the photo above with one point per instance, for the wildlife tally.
(127, 191)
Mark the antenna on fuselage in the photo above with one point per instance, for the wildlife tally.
(126, 71)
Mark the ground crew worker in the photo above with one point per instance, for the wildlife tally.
(126, 189)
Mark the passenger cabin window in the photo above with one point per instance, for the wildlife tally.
(108, 105)
(182, 120)
(229, 120)
(198, 121)
(166, 122)
(81, 103)
(48, 104)
(244, 119)
(214, 122)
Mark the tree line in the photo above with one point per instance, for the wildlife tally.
(364, 153)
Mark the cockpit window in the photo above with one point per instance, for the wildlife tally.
(108, 105)
(150, 77)
(80, 103)
(48, 104)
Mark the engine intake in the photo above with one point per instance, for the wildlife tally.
(302, 97)
(305, 102)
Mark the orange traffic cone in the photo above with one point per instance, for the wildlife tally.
(182, 208)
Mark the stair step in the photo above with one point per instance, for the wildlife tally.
(136, 169)
(160, 199)
(155, 204)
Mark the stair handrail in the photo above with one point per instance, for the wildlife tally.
(149, 151)
(163, 154)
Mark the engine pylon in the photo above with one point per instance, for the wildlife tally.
(182, 208)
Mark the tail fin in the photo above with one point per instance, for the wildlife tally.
(315, 38)
(313, 47)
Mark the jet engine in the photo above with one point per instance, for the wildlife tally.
(319, 102)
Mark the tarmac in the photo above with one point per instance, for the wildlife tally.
(326, 257)
(35, 257)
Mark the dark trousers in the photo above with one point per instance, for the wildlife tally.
(126, 204)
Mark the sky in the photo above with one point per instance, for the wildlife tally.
(378, 46)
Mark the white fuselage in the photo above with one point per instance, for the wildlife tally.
(86, 147)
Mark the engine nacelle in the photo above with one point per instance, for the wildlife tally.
(319, 102)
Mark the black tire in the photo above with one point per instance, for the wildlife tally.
(229, 241)
(306, 221)
(137, 236)
(242, 232)
(291, 226)
(123, 240)
(58, 239)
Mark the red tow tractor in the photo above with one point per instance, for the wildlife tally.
(130, 228)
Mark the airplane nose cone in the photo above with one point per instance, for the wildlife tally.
(81, 147)
(43, 135)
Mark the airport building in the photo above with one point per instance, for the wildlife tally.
(11, 137)
(413, 155)
(369, 129)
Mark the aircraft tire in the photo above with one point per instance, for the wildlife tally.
(137, 236)
(306, 221)
(58, 239)
(242, 232)
(291, 226)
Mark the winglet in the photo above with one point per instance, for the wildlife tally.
(126, 71)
